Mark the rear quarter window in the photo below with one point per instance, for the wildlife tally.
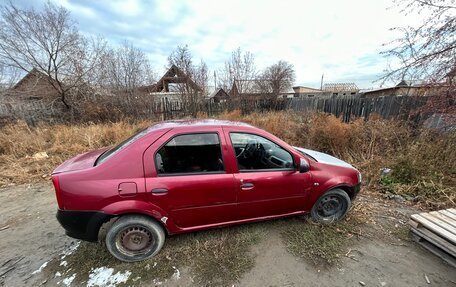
(103, 157)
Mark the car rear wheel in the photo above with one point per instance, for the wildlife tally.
(134, 238)
(331, 207)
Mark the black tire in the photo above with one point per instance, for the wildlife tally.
(134, 238)
(331, 207)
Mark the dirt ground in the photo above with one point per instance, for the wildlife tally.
(34, 237)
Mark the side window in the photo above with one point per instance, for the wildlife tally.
(258, 153)
(190, 153)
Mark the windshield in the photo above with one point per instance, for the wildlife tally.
(306, 154)
(107, 154)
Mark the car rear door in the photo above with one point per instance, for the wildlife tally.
(268, 186)
(186, 175)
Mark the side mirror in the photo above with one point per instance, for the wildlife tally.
(303, 166)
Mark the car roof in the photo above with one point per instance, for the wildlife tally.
(196, 123)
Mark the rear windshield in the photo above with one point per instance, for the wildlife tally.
(107, 154)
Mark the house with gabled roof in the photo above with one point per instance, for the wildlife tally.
(35, 85)
(171, 86)
(219, 96)
(173, 75)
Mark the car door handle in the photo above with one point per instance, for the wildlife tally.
(247, 186)
(159, 191)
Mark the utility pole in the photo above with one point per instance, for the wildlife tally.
(321, 84)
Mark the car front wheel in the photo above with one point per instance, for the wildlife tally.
(331, 207)
(134, 238)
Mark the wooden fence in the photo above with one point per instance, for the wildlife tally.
(348, 107)
(149, 107)
(31, 111)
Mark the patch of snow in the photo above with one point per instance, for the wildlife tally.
(63, 263)
(176, 274)
(41, 268)
(57, 274)
(70, 250)
(157, 282)
(67, 281)
(105, 277)
(155, 264)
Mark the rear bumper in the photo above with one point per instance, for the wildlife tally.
(82, 225)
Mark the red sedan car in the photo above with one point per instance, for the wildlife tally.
(181, 176)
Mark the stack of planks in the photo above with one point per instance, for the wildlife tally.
(436, 231)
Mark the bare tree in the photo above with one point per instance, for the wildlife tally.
(182, 58)
(49, 41)
(201, 76)
(277, 78)
(126, 68)
(8, 77)
(428, 50)
(240, 66)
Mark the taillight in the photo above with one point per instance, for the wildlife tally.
(58, 194)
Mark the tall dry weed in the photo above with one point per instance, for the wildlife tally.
(423, 162)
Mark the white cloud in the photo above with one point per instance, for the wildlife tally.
(126, 7)
(313, 36)
(341, 39)
(75, 8)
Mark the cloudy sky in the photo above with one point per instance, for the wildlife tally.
(340, 39)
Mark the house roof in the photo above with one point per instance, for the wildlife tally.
(402, 84)
(219, 93)
(172, 75)
(175, 75)
(340, 87)
(215, 92)
(34, 72)
(305, 89)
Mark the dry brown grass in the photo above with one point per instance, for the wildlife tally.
(423, 162)
(19, 143)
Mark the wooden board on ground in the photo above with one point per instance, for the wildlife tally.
(436, 231)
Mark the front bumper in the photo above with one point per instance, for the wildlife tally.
(82, 224)
(355, 190)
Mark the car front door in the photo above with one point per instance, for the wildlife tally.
(267, 180)
(189, 178)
